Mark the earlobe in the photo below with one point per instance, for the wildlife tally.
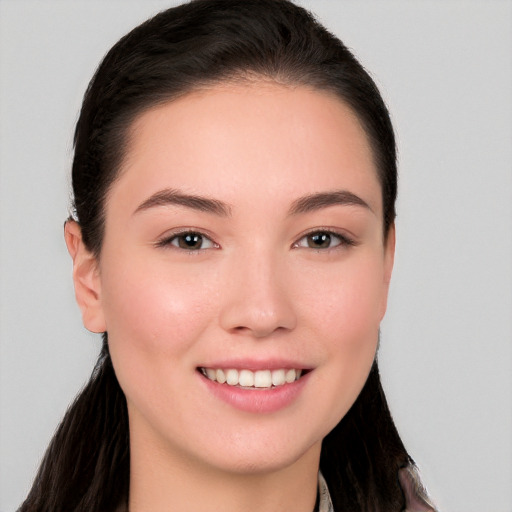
(389, 258)
(86, 279)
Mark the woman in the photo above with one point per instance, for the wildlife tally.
(234, 183)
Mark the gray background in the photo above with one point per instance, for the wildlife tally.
(445, 70)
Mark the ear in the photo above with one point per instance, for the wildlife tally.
(389, 254)
(86, 278)
(389, 259)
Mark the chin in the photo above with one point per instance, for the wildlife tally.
(253, 456)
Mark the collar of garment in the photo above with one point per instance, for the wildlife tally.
(416, 497)
(324, 501)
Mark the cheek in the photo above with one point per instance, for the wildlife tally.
(347, 299)
(346, 316)
(154, 317)
(339, 307)
(155, 311)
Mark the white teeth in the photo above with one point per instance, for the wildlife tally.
(232, 377)
(278, 377)
(246, 378)
(290, 376)
(262, 379)
(249, 379)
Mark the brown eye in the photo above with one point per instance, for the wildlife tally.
(319, 240)
(323, 240)
(191, 241)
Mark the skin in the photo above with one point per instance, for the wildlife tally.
(258, 291)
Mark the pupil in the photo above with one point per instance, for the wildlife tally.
(190, 241)
(321, 240)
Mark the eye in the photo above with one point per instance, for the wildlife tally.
(189, 241)
(323, 240)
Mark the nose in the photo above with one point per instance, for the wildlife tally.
(257, 298)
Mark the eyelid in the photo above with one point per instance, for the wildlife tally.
(344, 239)
(165, 240)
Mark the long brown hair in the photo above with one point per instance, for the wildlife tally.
(86, 466)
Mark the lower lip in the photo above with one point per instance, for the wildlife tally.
(259, 400)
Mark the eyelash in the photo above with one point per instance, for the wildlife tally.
(343, 240)
(168, 241)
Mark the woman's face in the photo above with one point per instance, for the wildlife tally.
(243, 241)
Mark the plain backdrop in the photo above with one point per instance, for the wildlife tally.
(445, 70)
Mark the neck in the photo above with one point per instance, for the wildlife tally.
(161, 481)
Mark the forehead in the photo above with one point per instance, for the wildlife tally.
(262, 138)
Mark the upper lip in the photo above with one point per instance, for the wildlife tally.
(256, 364)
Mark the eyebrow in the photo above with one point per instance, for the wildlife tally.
(313, 202)
(175, 197)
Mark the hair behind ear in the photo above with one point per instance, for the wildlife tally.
(86, 466)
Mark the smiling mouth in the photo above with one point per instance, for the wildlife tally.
(248, 379)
